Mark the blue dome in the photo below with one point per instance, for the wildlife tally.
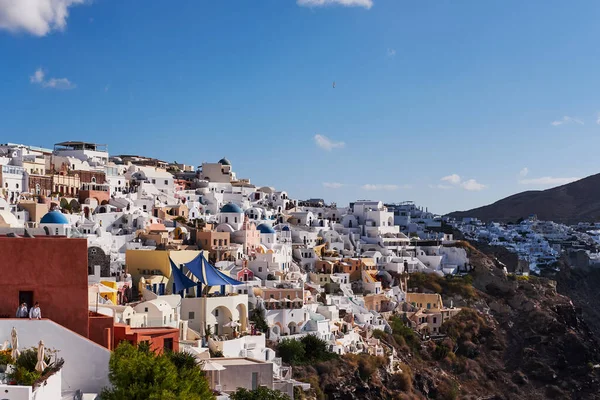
(231, 208)
(264, 228)
(285, 228)
(224, 161)
(54, 217)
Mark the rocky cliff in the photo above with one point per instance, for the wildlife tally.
(517, 338)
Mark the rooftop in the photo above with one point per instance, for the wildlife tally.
(236, 361)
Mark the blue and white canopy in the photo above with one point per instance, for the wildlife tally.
(207, 274)
(181, 281)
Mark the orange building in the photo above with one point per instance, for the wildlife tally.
(216, 243)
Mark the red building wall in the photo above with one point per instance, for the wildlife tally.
(155, 336)
(55, 270)
(99, 195)
(101, 329)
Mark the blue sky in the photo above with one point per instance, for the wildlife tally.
(450, 104)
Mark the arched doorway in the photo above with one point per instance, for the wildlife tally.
(293, 328)
(221, 316)
(243, 317)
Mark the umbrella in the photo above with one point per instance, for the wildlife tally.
(213, 366)
(101, 288)
(273, 300)
(232, 324)
(41, 365)
(14, 343)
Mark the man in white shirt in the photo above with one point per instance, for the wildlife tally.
(35, 312)
(22, 311)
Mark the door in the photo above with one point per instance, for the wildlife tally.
(26, 297)
(254, 380)
(168, 344)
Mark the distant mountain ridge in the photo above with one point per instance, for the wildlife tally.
(574, 202)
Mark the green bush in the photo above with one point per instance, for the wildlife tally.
(403, 334)
(261, 393)
(258, 318)
(309, 349)
(23, 377)
(140, 374)
(446, 286)
(441, 351)
(291, 351)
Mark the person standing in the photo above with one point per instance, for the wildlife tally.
(35, 312)
(22, 311)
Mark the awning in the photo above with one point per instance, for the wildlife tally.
(208, 274)
(182, 282)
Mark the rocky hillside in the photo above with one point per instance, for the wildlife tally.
(515, 339)
(571, 203)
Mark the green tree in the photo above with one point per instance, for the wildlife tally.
(315, 349)
(140, 374)
(258, 317)
(291, 351)
(262, 393)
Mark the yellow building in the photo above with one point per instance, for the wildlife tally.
(152, 263)
(428, 301)
(111, 296)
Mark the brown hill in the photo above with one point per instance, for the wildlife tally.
(578, 201)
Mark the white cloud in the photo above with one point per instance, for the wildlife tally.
(36, 17)
(346, 3)
(59, 83)
(391, 52)
(333, 185)
(453, 179)
(524, 172)
(327, 144)
(389, 187)
(39, 76)
(598, 119)
(548, 181)
(472, 185)
(566, 120)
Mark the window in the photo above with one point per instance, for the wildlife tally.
(146, 309)
(144, 207)
(259, 269)
(153, 181)
(17, 185)
(166, 182)
(191, 315)
(216, 313)
(226, 220)
(435, 320)
(56, 231)
(428, 306)
(215, 242)
(225, 242)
